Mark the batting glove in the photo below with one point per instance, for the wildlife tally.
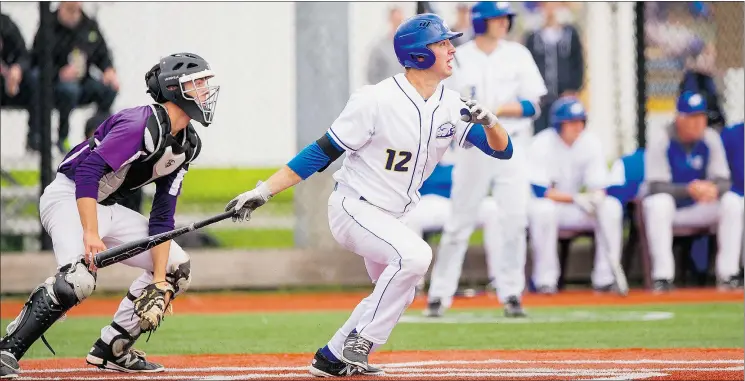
(589, 202)
(478, 114)
(249, 201)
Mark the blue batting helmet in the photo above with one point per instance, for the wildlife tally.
(413, 36)
(485, 10)
(566, 109)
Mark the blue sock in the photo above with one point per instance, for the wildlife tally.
(328, 354)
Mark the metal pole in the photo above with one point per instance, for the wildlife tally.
(322, 90)
(641, 78)
(46, 77)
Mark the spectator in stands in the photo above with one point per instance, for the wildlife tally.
(382, 62)
(77, 46)
(687, 175)
(463, 25)
(133, 202)
(699, 78)
(19, 87)
(557, 50)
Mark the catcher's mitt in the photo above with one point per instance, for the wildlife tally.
(151, 306)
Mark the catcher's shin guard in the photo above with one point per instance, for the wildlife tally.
(119, 354)
(47, 303)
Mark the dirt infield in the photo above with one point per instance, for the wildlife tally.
(242, 302)
(628, 364)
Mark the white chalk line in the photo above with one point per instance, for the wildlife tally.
(451, 375)
(419, 364)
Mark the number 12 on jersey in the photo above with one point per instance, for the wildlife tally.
(401, 165)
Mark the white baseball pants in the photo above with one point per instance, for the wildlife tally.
(661, 216)
(474, 174)
(395, 258)
(116, 225)
(433, 212)
(547, 217)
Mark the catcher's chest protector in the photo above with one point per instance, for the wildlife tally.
(161, 154)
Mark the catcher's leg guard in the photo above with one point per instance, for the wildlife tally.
(119, 354)
(47, 303)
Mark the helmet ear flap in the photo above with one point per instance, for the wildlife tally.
(425, 53)
(479, 26)
(153, 86)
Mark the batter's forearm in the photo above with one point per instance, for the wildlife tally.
(497, 137)
(282, 179)
(160, 261)
(88, 214)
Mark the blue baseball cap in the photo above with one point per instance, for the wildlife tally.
(690, 103)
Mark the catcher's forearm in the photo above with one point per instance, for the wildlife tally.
(88, 214)
(282, 179)
(160, 261)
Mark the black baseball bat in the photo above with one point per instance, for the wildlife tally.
(128, 250)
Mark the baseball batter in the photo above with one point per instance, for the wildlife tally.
(504, 77)
(132, 148)
(687, 174)
(568, 180)
(392, 134)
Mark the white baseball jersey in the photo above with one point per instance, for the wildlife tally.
(508, 74)
(553, 164)
(394, 138)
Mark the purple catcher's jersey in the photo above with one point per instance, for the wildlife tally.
(122, 144)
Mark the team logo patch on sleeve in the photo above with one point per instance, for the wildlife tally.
(446, 130)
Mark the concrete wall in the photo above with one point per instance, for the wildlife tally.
(264, 269)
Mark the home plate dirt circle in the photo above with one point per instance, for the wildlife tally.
(628, 364)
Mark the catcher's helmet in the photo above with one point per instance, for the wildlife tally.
(485, 10)
(566, 109)
(413, 36)
(165, 82)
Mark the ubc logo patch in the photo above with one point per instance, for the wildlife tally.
(446, 130)
(696, 162)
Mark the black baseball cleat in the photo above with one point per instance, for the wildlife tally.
(434, 309)
(513, 308)
(129, 361)
(323, 367)
(9, 367)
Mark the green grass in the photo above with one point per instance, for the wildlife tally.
(712, 325)
(254, 238)
(201, 185)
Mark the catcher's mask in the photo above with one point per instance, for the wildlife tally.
(183, 79)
